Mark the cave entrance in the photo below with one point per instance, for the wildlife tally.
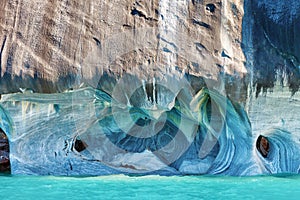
(4, 153)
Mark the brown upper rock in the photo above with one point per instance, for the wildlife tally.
(54, 45)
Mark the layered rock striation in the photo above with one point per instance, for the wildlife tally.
(270, 30)
(158, 72)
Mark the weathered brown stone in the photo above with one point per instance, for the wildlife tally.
(53, 45)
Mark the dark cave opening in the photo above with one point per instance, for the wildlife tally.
(4, 153)
(80, 145)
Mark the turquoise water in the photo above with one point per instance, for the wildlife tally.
(149, 187)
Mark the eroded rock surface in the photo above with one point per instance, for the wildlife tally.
(146, 56)
(54, 45)
(271, 42)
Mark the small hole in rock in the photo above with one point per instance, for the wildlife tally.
(210, 7)
(80, 145)
(263, 145)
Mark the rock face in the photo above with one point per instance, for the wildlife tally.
(50, 46)
(151, 61)
(271, 42)
(271, 48)
(54, 45)
(84, 132)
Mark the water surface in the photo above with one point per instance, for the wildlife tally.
(150, 187)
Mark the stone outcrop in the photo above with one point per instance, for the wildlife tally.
(271, 48)
(149, 59)
(270, 30)
(55, 45)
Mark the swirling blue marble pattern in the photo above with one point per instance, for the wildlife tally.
(88, 132)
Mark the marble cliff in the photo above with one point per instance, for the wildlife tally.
(52, 46)
(66, 65)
